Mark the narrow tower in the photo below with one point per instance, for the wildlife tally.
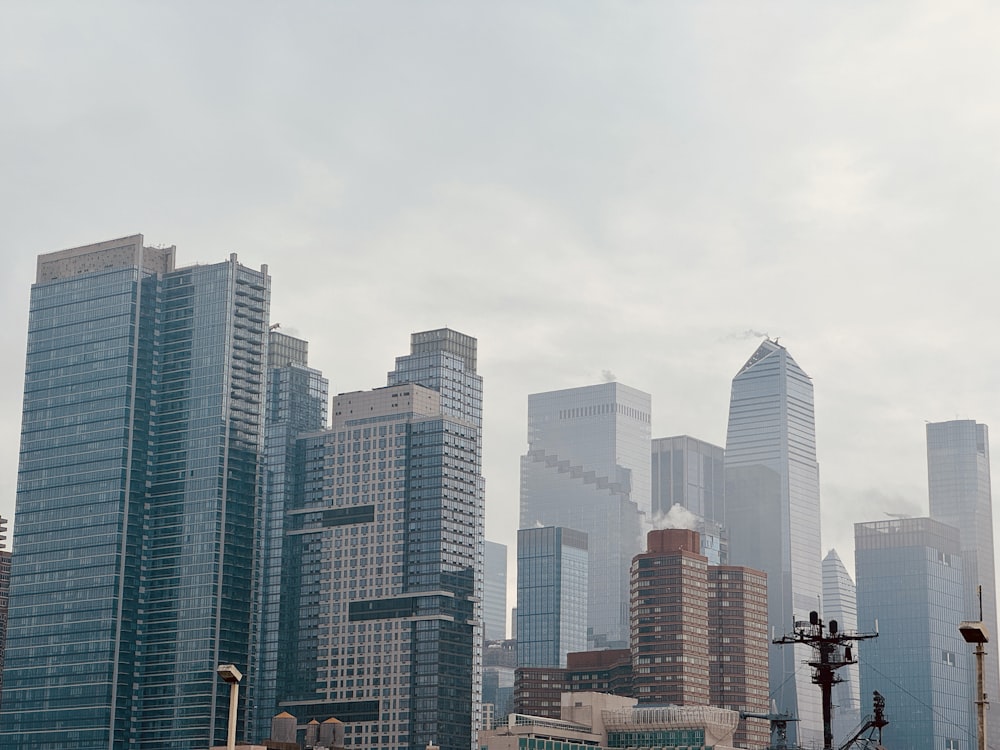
(958, 479)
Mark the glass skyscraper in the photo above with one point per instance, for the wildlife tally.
(588, 468)
(495, 592)
(551, 595)
(958, 479)
(297, 397)
(909, 579)
(382, 582)
(691, 473)
(772, 512)
(137, 498)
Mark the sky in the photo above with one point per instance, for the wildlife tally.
(634, 189)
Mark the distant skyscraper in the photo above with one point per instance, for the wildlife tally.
(958, 477)
(772, 512)
(381, 625)
(840, 604)
(133, 560)
(691, 473)
(495, 592)
(552, 567)
(297, 397)
(909, 575)
(670, 620)
(588, 468)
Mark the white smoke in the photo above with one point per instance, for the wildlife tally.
(678, 517)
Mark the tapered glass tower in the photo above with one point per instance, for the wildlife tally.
(137, 499)
(772, 511)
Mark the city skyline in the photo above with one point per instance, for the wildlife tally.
(626, 189)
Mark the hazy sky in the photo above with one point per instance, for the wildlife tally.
(634, 187)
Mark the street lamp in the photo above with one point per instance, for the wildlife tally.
(229, 673)
(976, 632)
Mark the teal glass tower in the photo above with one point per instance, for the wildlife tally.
(909, 579)
(133, 562)
(551, 595)
(297, 397)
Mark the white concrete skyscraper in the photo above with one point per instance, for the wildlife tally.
(588, 468)
(772, 512)
(958, 479)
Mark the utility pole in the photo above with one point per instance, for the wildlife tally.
(832, 650)
(976, 632)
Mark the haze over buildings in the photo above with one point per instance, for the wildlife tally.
(588, 468)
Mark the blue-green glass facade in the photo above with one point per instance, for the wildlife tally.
(552, 565)
(137, 493)
(909, 579)
(297, 397)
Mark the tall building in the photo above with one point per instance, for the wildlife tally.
(381, 625)
(552, 565)
(690, 473)
(588, 468)
(840, 604)
(4, 593)
(689, 491)
(296, 403)
(958, 478)
(737, 648)
(909, 579)
(669, 620)
(495, 592)
(499, 663)
(133, 563)
(772, 512)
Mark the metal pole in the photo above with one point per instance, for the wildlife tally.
(980, 696)
(234, 694)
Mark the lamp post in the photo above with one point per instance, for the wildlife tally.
(229, 673)
(976, 632)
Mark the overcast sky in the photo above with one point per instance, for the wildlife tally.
(635, 187)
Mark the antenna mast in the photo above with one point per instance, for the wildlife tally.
(832, 650)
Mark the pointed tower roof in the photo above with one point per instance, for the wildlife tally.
(766, 349)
